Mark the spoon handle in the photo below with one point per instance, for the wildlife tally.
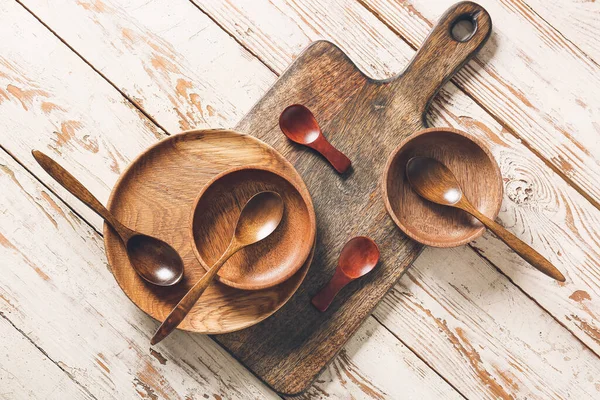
(323, 299)
(77, 189)
(188, 301)
(336, 158)
(521, 248)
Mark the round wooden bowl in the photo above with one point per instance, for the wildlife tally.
(268, 262)
(155, 195)
(474, 167)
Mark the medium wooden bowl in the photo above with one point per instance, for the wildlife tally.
(474, 167)
(268, 262)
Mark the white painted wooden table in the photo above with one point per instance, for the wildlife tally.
(94, 82)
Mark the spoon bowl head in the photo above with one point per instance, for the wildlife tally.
(299, 124)
(433, 181)
(359, 256)
(259, 218)
(154, 260)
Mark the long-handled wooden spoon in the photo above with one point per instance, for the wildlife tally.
(154, 260)
(359, 256)
(259, 218)
(433, 181)
(300, 125)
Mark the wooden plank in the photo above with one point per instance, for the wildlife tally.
(535, 195)
(540, 209)
(576, 20)
(69, 253)
(26, 373)
(101, 339)
(483, 334)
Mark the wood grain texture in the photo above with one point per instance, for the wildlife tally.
(536, 196)
(349, 105)
(276, 258)
(483, 334)
(575, 20)
(22, 363)
(109, 355)
(161, 205)
(473, 165)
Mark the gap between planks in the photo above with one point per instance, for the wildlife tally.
(42, 350)
(130, 100)
(558, 31)
(487, 109)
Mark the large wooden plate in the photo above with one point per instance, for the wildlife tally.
(155, 196)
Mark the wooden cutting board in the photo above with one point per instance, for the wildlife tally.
(365, 119)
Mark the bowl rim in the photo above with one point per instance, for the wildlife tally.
(386, 198)
(305, 252)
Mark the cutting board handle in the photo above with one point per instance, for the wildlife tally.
(441, 55)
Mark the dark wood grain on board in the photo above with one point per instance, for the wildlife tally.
(365, 119)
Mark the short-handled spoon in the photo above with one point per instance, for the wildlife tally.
(154, 260)
(433, 181)
(359, 256)
(300, 125)
(259, 218)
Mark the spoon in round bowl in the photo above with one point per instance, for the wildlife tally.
(259, 218)
(359, 256)
(300, 125)
(433, 181)
(154, 260)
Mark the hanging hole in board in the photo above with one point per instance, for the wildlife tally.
(463, 28)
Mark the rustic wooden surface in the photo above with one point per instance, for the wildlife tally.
(471, 322)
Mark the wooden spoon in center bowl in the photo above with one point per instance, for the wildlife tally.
(433, 181)
(300, 125)
(259, 218)
(153, 260)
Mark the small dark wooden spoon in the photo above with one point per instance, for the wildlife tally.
(359, 256)
(433, 181)
(299, 124)
(259, 218)
(154, 260)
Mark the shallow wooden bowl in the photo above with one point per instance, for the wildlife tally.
(268, 262)
(474, 167)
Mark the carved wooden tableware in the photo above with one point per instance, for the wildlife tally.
(156, 194)
(476, 171)
(259, 218)
(370, 117)
(269, 262)
(359, 256)
(153, 259)
(433, 181)
(300, 125)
